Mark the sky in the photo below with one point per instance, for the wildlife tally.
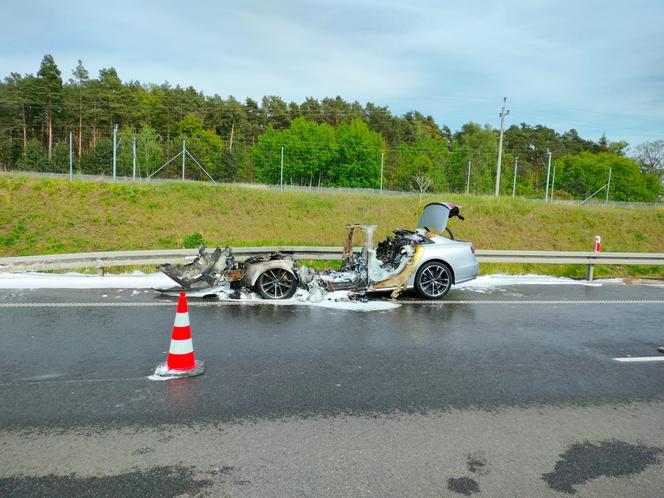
(595, 66)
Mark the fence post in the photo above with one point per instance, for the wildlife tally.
(133, 158)
(115, 151)
(184, 155)
(553, 184)
(608, 187)
(468, 179)
(516, 162)
(382, 162)
(281, 177)
(548, 174)
(71, 157)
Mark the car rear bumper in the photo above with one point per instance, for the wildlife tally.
(466, 272)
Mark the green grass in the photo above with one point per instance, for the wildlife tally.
(43, 216)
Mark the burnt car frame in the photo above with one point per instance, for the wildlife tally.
(272, 276)
(423, 259)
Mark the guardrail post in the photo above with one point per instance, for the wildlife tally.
(589, 276)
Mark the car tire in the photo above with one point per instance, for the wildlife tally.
(433, 280)
(276, 283)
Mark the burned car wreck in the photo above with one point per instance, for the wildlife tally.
(423, 259)
(272, 276)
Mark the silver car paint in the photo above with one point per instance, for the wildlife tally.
(456, 253)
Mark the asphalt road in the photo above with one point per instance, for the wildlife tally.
(512, 392)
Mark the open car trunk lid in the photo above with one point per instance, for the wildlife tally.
(436, 214)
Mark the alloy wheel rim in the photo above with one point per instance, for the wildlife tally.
(276, 283)
(435, 280)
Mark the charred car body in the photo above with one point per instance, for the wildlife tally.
(422, 259)
(272, 276)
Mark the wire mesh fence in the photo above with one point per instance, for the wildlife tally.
(594, 203)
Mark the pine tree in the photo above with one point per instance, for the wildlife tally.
(81, 77)
(50, 93)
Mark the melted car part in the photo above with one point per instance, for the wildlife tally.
(391, 250)
(347, 255)
(353, 273)
(273, 256)
(207, 269)
(398, 279)
(387, 267)
(200, 269)
(342, 280)
(219, 270)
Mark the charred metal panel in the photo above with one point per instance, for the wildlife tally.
(201, 269)
(399, 280)
(347, 255)
(212, 269)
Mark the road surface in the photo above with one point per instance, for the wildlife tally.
(513, 391)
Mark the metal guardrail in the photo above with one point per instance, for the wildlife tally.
(570, 258)
(103, 260)
(149, 257)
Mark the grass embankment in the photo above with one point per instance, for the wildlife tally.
(42, 216)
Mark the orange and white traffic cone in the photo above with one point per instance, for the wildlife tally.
(181, 361)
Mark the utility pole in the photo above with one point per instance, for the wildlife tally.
(516, 162)
(382, 163)
(468, 179)
(115, 151)
(230, 144)
(184, 156)
(548, 172)
(502, 115)
(608, 187)
(553, 183)
(133, 158)
(281, 181)
(71, 157)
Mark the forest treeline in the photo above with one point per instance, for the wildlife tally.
(327, 142)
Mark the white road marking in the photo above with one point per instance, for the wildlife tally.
(23, 382)
(539, 301)
(258, 303)
(639, 359)
(172, 304)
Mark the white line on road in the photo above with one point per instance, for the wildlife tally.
(23, 382)
(541, 301)
(267, 303)
(114, 305)
(639, 359)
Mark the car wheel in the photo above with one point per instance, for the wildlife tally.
(276, 283)
(433, 280)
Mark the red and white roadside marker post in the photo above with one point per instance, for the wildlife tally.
(598, 244)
